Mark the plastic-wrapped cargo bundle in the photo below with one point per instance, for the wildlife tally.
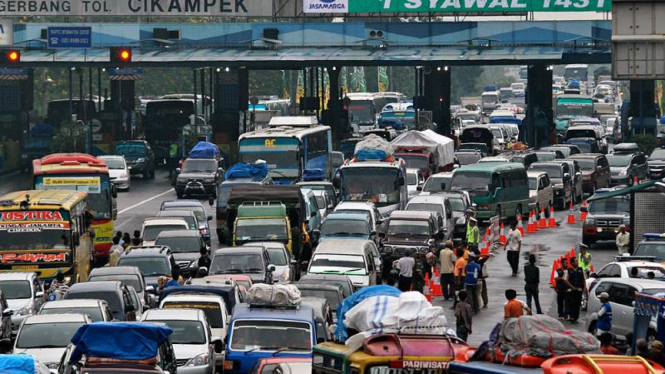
(274, 295)
(374, 147)
(21, 364)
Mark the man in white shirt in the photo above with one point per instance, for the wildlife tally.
(623, 240)
(514, 246)
(405, 265)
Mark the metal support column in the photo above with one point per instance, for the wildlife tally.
(642, 107)
(437, 97)
(539, 121)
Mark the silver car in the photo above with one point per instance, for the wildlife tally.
(622, 295)
(119, 172)
(47, 336)
(285, 265)
(97, 310)
(192, 339)
(24, 293)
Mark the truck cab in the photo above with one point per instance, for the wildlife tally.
(262, 221)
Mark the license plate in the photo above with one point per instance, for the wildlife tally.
(25, 267)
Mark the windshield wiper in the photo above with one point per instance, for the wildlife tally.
(282, 349)
(260, 347)
(229, 271)
(254, 270)
(346, 271)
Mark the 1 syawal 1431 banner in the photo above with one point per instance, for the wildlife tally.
(473, 6)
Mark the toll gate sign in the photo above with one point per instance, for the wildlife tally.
(69, 37)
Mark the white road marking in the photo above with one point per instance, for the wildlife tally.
(145, 201)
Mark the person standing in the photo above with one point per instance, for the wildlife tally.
(576, 280)
(473, 235)
(482, 282)
(514, 247)
(405, 265)
(584, 259)
(173, 158)
(623, 240)
(463, 317)
(532, 279)
(514, 308)
(460, 273)
(604, 323)
(447, 267)
(561, 288)
(204, 260)
(471, 282)
(115, 252)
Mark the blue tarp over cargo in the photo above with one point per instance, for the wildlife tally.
(204, 150)
(17, 364)
(355, 299)
(119, 340)
(242, 170)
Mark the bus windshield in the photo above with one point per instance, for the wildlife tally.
(361, 111)
(380, 185)
(97, 186)
(34, 230)
(574, 107)
(470, 181)
(281, 154)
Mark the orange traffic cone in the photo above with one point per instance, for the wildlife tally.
(520, 227)
(552, 222)
(572, 253)
(542, 223)
(555, 266)
(571, 215)
(435, 284)
(502, 235)
(484, 247)
(529, 226)
(583, 214)
(635, 181)
(535, 221)
(426, 288)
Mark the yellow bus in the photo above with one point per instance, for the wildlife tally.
(45, 231)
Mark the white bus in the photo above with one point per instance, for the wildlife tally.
(290, 145)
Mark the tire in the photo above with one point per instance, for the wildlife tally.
(592, 328)
(497, 211)
(146, 174)
(152, 174)
(180, 195)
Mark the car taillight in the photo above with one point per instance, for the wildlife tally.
(228, 365)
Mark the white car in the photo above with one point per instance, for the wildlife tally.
(153, 226)
(363, 206)
(324, 202)
(192, 338)
(47, 336)
(118, 172)
(352, 257)
(414, 181)
(624, 269)
(97, 310)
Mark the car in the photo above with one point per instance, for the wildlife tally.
(198, 209)
(323, 186)
(189, 217)
(561, 179)
(560, 151)
(129, 275)
(153, 262)
(285, 265)
(136, 303)
(544, 156)
(652, 246)
(352, 257)
(604, 217)
(250, 260)
(336, 160)
(331, 291)
(97, 310)
(343, 281)
(115, 293)
(282, 365)
(480, 147)
(627, 165)
(195, 347)
(519, 89)
(242, 280)
(596, 133)
(437, 183)
(213, 306)
(595, 171)
(47, 336)
(499, 158)
(572, 149)
(656, 163)
(312, 210)
(376, 220)
(468, 157)
(198, 176)
(409, 232)
(585, 145)
(323, 316)
(622, 297)
(118, 172)
(439, 205)
(624, 269)
(153, 226)
(541, 193)
(414, 181)
(348, 225)
(259, 332)
(324, 202)
(186, 246)
(24, 294)
(226, 288)
(139, 156)
(576, 171)
(459, 203)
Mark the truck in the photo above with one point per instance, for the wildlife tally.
(425, 150)
(262, 221)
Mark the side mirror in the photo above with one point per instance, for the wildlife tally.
(150, 289)
(382, 235)
(177, 170)
(8, 312)
(39, 295)
(211, 202)
(294, 262)
(373, 233)
(209, 218)
(313, 213)
(584, 209)
(336, 182)
(599, 167)
(419, 188)
(330, 206)
(566, 175)
(271, 268)
(114, 192)
(220, 171)
(402, 181)
(219, 346)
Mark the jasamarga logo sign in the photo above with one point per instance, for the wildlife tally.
(326, 6)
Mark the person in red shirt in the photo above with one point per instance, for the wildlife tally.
(514, 308)
(606, 344)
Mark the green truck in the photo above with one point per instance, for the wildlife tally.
(262, 221)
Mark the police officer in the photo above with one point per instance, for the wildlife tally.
(584, 259)
(576, 280)
(473, 234)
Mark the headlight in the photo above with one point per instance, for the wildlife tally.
(558, 185)
(485, 207)
(140, 159)
(199, 360)
(589, 222)
(623, 173)
(52, 365)
(285, 276)
(26, 310)
(387, 249)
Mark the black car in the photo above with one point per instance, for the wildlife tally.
(115, 293)
(604, 218)
(562, 181)
(657, 163)
(186, 248)
(249, 260)
(139, 156)
(199, 176)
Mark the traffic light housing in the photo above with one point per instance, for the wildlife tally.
(10, 56)
(121, 55)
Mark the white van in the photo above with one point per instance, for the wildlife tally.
(153, 226)
(352, 257)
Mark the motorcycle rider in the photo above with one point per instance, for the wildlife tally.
(58, 282)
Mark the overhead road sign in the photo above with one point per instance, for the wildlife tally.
(70, 37)
(141, 8)
(6, 32)
(477, 6)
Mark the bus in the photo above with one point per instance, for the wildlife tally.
(498, 189)
(166, 118)
(45, 231)
(400, 116)
(57, 111)
(290, 145)
(363, 109)
(570, 106)
(577, 72)
(82, 172)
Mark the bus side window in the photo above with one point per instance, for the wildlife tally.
(496, 181)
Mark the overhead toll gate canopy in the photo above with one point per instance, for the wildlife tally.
(328, 44)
